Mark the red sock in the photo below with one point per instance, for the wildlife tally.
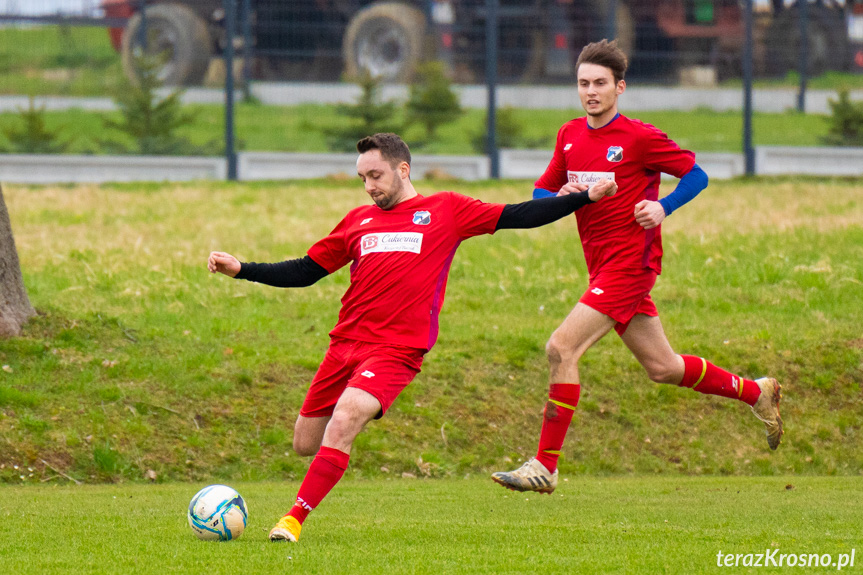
(326, 469)
(704, 377)
(562, 399)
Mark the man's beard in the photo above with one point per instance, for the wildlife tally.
(389, 200)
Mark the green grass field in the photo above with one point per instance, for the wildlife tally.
(300, 129)
(140, 360)
(589, 525)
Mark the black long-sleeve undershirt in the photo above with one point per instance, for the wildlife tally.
(542, 211)
(303, 272)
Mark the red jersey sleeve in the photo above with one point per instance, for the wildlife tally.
(473, 217)
(331, 253)
(554, 176)
(662, 154)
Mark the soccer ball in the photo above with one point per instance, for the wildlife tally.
(217, 513)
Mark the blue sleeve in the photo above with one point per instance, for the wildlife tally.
(540, 193)
(689, 186)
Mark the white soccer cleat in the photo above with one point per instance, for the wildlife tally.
(767, 409)
(532, 476)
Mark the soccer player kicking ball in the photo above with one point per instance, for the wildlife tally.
(400, 250)
(623, 250)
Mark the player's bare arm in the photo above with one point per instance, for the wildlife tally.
(223, 263)
(603, 188)
(649, 214)
(572, 188)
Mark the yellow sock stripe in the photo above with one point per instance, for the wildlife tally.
(703, 371)
(562, 404)
(739, 387)
(551, 451)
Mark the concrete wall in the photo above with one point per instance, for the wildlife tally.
(771, 160)
(49, 169)
(515, 164)
(285, 166)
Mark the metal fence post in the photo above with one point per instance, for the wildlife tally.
(142, 32)
(804, 54)
(748, 150)
(611, 20)
(247, 50)
(230, 7)
(491, 21)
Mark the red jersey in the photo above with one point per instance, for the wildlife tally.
(401, 260)
(633, 154)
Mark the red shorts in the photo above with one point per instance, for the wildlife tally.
(382, 370)
(621, 296)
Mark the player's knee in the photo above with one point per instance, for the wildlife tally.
(307, 438)
(343, 427)
(305, 447)
(558, 351)
(661, 373)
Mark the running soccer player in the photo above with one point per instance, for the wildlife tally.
(400, 250)
(623, 249)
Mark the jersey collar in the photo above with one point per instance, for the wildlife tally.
(616, 116)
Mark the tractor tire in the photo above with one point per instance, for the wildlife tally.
(175, 34)
(386, 40)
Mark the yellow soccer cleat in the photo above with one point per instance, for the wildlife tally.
(287, 529)
(767, 409)
(532, 476)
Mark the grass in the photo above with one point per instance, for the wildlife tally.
(300, 129)
(140, 360)
(589, 525)
(57, 60)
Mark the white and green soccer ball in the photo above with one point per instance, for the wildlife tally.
(218, 513)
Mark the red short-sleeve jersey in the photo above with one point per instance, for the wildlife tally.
(401, 260)
(633, 154)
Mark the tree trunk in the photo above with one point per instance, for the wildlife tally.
(15, 306)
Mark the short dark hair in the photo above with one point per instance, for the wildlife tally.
(604, 53)
(393, 149)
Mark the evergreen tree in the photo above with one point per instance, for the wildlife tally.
(432, 102)
(509, 133)
(368, 116)
(148, 119)
(34, 136)
(845, 121)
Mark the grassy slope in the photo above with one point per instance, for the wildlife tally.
(590, 525)
(140, 360)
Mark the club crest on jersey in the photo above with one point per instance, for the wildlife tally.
(614, 154)
(422, 218)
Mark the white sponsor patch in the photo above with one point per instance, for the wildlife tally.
(589, 178)
(391, 242)
(567, 147)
